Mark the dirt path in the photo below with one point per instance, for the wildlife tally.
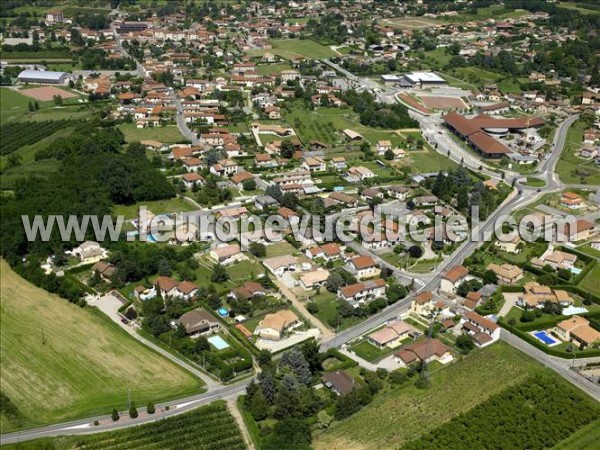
(235, 412)
(326, 333)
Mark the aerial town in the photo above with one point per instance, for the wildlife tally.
(128, 125)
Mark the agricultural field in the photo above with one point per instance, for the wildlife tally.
(404, 414)
(479, 77)
(166, 134)
(560, 410)
(39, 168)
(293, 49)
(210, 427)
(20, 134)
(572, 169)
(27, 153)
(410, 23)
(60, 362)
(590, 281)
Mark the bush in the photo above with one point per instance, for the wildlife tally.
(312, 307)
(150, 409)
(115, 415)
(397, 378)
(133, 413)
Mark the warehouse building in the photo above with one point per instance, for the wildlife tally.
(43, 77)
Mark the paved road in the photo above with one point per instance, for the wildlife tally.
(560, 366)
(181, 123)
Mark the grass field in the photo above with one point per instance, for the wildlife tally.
(590, 281)
(406, 413)
(208, 427)
(280, 249)
(41, 168)
(272, 69)
(572, 169)
(12, 105)
(296, 48)
(61, 362)
(172, 205)
(166, 134)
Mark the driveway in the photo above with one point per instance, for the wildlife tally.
(510, 300)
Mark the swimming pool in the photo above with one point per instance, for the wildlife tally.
(218, 342)
(576, 270)
(223, 312)
(543, 336)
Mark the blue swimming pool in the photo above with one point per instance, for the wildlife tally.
(223, 312)
(543, 336)
(576, 270)
(218, 342)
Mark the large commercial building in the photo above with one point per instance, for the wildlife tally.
(478, 131)
(414, 80)
(43, 77)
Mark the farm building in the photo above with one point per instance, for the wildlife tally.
(43, 77)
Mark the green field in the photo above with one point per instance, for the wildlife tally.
(166, 134)
(272, 69)
(572, 169)
(62, 362)
(280, 249)
(39, 168)
(296, 48)
(591, 281)
(406, 413)
(585, 438)
(12, 105)
(27, 153)
(210, 427)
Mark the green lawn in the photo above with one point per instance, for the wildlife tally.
(535, 182)
(571, 168)
(61, 362)
(272, 69)
(166, 134)
(406, 413)
(172, 205)
(327, 303)
(296, 48)
(244, 270)
(38, 168)
(591, 281)
(280, 249)
(12, 105)
(367, 351)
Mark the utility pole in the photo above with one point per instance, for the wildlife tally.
(128, 398)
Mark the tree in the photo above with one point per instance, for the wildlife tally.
(312, 307)
(259, 407)
(310, 350)
(219, 274)
(346, 405)
(150, 409)
(36, 105)
(257, 249)
(334, 282)
(114, 415)
(415, 251)
(249, 185)
(265, 358)
(294, 359)
(30, 106)
(323, 420)
(289, 433)
(465, 343)
(389, 155)
(267, 383)
(58, 100)
(287, 149)
(490, 277)
(133, 413)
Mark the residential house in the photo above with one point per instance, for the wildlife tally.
(453, 278)
(338, 162)
(168, 287)
(105, 270)
(370, 194)
(426, 350)
(264, 202)
(398, 192)
(383, 146)
(556, 259)
(239, 178)
(339, 382)
(506, 273)
(361, 173)
(536, 295)
(89, 251)
(280, 264)
(360, 293)
(345, 199)
(247, 291)
(235, 212)
(199, 322)
(363, 267)
(577, 329)
(422, 304)
(314, 279)
(273, 326)
(273, 112)
(328, 252)
(314, 164)
(510, 246)
(227, 254)
(391, 335)
(483, 331)
(189, 179)
(571, 200)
